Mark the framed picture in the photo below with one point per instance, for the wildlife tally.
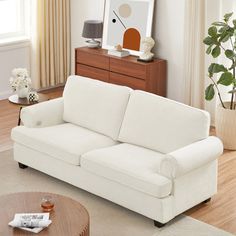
(127, 22)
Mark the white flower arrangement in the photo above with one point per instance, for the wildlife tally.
(20, 79)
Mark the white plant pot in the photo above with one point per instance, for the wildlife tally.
(226, 126)
(22, 92)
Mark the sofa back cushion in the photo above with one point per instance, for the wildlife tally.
(95, 105)
(161, 124)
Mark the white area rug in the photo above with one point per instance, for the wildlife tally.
(107, 219)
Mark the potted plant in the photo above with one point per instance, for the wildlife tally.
(20, 82)
(221, 41)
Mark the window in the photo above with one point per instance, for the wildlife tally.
(13, 19)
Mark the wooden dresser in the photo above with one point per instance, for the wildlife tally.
(127, 71)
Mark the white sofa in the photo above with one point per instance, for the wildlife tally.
(144, 152)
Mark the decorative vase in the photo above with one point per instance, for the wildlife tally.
(226, 126)
(22, 92)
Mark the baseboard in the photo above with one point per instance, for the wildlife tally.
(5, 94)
(51, 88)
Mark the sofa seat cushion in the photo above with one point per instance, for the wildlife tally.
(66, 142)
(129, 165)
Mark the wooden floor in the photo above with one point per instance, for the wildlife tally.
(220, 212)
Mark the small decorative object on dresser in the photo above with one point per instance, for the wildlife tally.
(127, 71)
(92, 30)
(118, 51)
(20, 82)
(147, 44)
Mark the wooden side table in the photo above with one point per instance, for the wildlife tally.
(22, 102)
(69, 217)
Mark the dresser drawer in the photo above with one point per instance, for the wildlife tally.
(127, 81)
(126, 67)
(92, 72)
(94, 60)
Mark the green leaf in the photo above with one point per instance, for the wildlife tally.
(216, 68)
(216, 52)
(223, 29)
(208, 41)
(224, 37)
(230, 31)
(212, 31)
(208, 51)
(234, 22)
(218, 23)
(210, 92)
(226, 79)
(227, 16)
(229, 54)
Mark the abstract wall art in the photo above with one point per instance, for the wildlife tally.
(127, 22)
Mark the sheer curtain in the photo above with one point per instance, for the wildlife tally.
(194, 51)
(51, 42)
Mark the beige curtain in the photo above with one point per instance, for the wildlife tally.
(52, 43)
(194, 69)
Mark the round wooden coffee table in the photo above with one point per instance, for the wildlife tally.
(69, 217)
(25, 102)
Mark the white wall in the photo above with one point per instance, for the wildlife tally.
(168, 31)
(82, 10)
(11, 57)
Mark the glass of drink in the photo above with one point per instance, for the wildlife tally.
(47, 203)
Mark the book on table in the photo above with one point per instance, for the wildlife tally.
(123, 53)
(32, 222)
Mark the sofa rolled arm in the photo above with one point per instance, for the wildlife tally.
(43, 114)
(191, 157)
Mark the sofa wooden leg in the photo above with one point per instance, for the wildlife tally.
(22, 166)
(208, 200)
(158, 224)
